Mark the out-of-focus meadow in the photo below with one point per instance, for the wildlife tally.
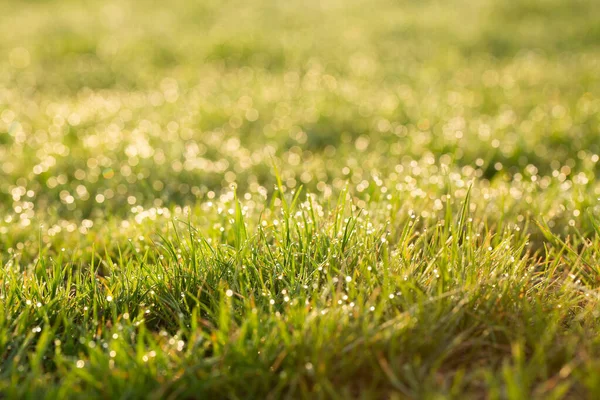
(322, 197)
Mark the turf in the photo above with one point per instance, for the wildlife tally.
(299, 199)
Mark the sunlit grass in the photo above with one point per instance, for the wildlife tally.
(280, 199)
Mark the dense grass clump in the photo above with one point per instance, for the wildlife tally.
(299, 199)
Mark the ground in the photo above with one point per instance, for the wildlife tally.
(299, 199)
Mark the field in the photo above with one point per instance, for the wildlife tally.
(270, 199)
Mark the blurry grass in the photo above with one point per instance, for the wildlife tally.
(279, 199)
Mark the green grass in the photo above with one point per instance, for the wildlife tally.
(299, 199)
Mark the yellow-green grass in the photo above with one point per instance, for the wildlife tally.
(299, 199)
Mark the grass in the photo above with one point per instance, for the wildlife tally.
(269, 199)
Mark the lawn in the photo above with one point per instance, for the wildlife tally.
(284, 199)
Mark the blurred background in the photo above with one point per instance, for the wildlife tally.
(108, 105)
